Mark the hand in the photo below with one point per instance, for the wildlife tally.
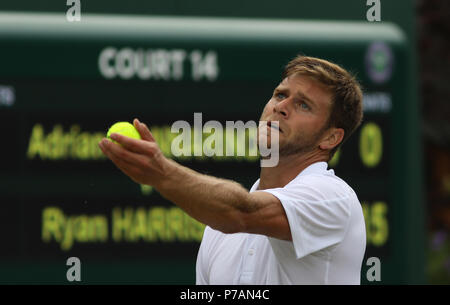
(141, 160)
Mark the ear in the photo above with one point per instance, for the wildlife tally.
(332, 138)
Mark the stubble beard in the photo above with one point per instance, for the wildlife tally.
(301, 144)
(297, 146)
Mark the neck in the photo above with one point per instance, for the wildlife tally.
(287, 169)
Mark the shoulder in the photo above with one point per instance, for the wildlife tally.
(319, 208)
(322, 195)
(320, 187)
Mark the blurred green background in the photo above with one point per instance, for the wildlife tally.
(423, 170)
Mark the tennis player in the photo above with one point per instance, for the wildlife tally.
(300, 223)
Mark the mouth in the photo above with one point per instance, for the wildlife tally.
(274, 125)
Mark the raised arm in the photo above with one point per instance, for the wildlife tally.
(219, 203)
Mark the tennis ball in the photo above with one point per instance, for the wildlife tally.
(125, 129)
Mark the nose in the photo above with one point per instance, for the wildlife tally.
(282, 107)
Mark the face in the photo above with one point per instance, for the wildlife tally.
(302, 107)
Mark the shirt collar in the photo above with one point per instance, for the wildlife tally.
(318, 167)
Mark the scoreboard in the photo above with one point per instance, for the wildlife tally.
(62, 84)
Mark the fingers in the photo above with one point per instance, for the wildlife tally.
(134, 145)
(143, 130)
(128, 162)
(119, 154)
(138, 159)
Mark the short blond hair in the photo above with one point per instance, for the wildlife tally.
(346, 110)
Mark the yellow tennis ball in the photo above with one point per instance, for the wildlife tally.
(125, 129)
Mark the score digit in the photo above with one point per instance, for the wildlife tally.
(371, 144)
(377, 225)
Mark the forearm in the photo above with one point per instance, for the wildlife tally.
(222, 204)
(216, 202)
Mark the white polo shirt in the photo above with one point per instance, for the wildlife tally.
(328, 233)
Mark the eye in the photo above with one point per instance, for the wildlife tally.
(280, 96)
(304, 106)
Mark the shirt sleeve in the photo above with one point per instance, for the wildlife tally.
(201, 267)
(318, 215)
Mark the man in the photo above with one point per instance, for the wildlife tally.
(299, 224)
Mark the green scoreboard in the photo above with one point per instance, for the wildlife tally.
(62, 84)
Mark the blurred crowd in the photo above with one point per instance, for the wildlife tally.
(433, 34)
